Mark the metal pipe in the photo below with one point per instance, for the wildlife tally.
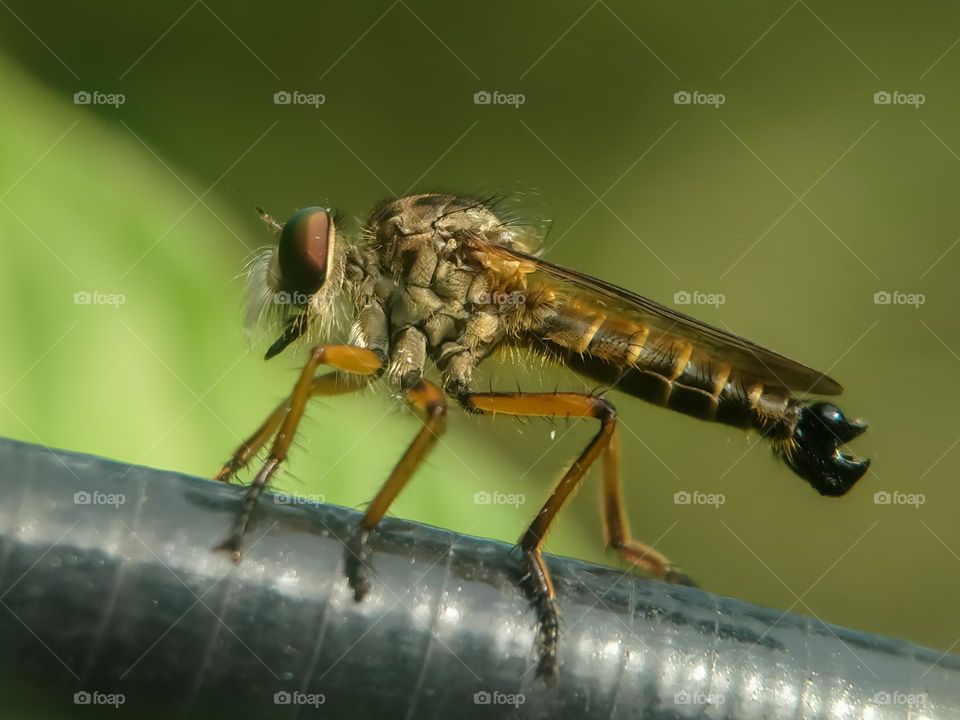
(109, 587)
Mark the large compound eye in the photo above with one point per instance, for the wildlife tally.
(304, 249)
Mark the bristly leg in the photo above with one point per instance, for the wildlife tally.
(355, 559)
(616, 527)
(538, 587)
(356, 366)
(337, 383)
(251, 446)
(536, 581)
(233, 545)
(428, 400)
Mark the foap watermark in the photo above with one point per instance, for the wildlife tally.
(895, 697)
(684, 297)
(290, 298)
(698, 698)
(684, 497)
(285, 499)
(498, 498)
(83, 497)
(495, 697)
(298, 97)
(95, 297)
(495, 97)
(695, 97)
(896, 297)
(884, 97)
(885, 497)
(94, 697)
(507, 299)
(282, 697)
(95, 97)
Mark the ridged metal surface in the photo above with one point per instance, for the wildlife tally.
(128, 598)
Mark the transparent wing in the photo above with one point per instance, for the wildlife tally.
(767, 366)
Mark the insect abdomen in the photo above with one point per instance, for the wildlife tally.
(670, 371)
(665, 371)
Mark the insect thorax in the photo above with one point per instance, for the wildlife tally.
(425, 295)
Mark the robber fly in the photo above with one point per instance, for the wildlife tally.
(426, 279)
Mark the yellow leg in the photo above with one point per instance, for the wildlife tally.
(428, 400)
(347, 358)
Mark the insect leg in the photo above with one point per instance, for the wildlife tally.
(337, 383)
(350, 359)
(617, 528)
(536, 581)
(429, 401)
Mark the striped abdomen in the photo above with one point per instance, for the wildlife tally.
(661, 369)
(670, 370)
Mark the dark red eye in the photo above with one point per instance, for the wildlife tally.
(304, 243)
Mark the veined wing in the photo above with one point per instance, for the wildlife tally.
(664, 323)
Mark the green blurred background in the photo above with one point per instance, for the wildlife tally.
(152, 200)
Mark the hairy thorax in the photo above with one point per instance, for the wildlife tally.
(438, 298)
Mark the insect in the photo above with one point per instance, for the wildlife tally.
(443, 278)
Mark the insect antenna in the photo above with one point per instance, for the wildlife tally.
(268, 219)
